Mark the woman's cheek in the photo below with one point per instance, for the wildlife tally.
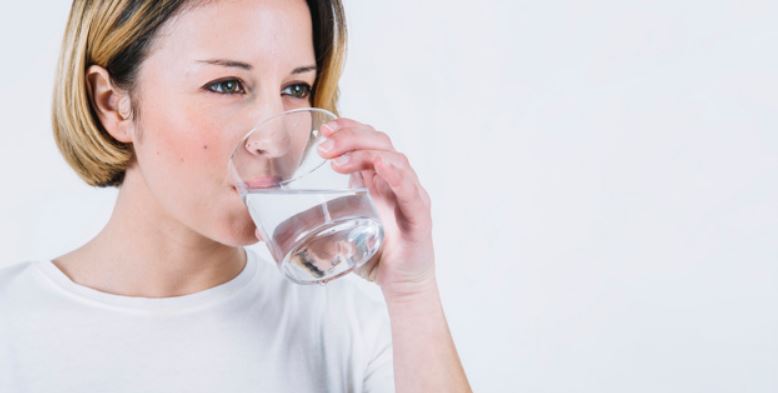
(190, 140)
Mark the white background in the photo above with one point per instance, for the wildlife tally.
(604, 177)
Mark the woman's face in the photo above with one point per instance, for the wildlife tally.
(212, 72)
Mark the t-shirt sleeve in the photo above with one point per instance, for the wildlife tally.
(379, 375)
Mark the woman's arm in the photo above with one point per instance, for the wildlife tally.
(425, 359)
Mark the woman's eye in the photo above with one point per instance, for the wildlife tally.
(228, 86)
(298, 90)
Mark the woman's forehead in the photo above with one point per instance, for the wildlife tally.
(263, 33)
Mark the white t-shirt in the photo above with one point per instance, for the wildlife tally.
(257, 332)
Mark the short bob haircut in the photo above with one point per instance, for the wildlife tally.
(116, 35)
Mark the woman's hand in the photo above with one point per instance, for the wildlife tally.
(405, 269)
(406, 264)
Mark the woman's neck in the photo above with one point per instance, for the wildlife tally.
(144, 252)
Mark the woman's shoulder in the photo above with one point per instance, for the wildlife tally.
(18, 282)
(13, 273)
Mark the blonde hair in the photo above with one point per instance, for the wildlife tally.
(116, 35)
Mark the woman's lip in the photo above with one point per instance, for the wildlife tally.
(263, 182)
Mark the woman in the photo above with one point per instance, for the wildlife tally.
(165, 297)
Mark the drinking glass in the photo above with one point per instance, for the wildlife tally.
(318, 224)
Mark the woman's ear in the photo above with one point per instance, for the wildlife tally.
(111, 104)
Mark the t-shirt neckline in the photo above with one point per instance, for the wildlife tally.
(215, 294)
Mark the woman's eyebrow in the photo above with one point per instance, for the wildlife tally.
(302, 70)
(227, 63)
(246, 66)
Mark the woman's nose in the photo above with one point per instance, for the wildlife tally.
(270, 140)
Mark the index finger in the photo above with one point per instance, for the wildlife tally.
(334, 125)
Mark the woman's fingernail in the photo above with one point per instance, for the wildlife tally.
(332, 126)
(343, 159)
(326, 145)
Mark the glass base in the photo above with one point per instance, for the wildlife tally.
(333, 250)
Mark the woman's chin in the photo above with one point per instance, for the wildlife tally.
(237, 233)
(238, 241)
(247, 238)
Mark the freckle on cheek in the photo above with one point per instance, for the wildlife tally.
(205, 147)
